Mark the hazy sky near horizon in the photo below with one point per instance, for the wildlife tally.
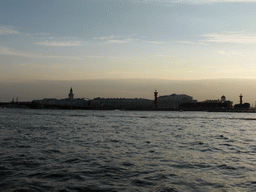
(127, 39)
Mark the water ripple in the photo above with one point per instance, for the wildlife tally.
(70, 151)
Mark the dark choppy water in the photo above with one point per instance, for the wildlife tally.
(58, 150)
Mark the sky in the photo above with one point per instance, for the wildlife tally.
(181, 46)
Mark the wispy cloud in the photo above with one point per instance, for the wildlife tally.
(242, 54)
(119, 41)
(7, 31)
(198, 1)
(105, 37)
(36, 34)
(13, 52)
(105, 40)
(187, 42)
(155, 42)
(18, 53)
(60, 43)
(231, 37)
(192, 42)
(115, 39)
(224, 1)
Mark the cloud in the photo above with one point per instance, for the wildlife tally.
(225, 1)
(60, 43)
(191, 42)
(115, 39)
(36, 34)
(186, 42)
(119, 41)
(155, 42)
(104, 38)
(18, 53)
(7, 31)
(241, 54)
(12, 52)
(197, 1)
(231, 37)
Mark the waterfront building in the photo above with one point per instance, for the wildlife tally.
(78, 102)
(222, 103)
(46, 101)
(121, 103)
(49, 101)
(174, 100)
(223, 99)
(68, 102)
(219, 104)
(242, 105)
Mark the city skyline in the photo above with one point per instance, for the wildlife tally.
(138, 88)
(136, 45)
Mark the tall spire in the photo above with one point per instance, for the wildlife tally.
(71, 95)
(155, 101)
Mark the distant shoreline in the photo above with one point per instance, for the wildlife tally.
(29, 105)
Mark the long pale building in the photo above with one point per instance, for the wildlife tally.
(174, 100)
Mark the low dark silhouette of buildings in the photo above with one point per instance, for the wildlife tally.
(121, 103)
(166, 102)
(242, 105)
(174, 101)
(213, 105)
(69, 102)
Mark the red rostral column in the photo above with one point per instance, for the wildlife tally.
(241, 99)
(155, 101)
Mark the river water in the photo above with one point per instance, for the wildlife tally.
(80, 150)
